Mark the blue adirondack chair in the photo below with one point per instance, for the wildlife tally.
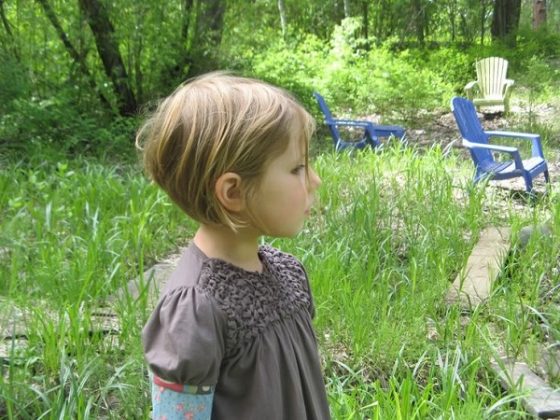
(477, 141)
(369, 132)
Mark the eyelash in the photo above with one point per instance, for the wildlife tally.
(298, 169)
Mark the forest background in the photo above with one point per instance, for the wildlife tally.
(72, 72)
(78, 219)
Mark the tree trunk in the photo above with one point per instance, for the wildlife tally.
(379, 19)
(207, 36)
(365, 19)
(186, 21)
(9, 32)
(482, 21)
(347, 8)
(213, 20)
(283, 20)
(452, 14)
(77, 57)
(505, 20)
(539, 13)
(5, 20)
(107, 47)
(420, 20)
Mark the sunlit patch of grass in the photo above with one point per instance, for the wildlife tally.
(76, 230)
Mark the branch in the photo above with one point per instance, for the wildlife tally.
(79, 59)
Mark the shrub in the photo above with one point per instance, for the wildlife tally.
(13, 81)
(57, 122)
(295, 67)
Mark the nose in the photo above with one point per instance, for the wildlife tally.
(314, 180)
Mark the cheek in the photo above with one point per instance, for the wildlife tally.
(298, 194)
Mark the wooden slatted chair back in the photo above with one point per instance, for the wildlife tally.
(491, 73)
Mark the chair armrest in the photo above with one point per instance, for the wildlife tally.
(368, 127)
(492, 147)
(469, 89)
(508, 83)
(349, 123)
(536, 147)
(512, 135)
(495, 148)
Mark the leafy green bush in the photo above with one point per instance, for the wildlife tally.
(352, 77)
(380, 80)
(294, 67)
(13, 81)
(58, 122)
(540, 43)
(453, 64)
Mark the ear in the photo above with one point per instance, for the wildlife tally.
(229, 193)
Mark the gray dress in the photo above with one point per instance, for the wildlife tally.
(249, 334)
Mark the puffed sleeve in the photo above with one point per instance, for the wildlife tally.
(184, 339)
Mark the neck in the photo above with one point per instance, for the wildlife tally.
(239, 248)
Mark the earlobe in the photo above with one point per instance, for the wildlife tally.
(229, 192)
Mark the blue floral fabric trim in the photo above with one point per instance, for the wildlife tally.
(186, 402)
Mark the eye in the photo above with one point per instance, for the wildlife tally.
(298, 169)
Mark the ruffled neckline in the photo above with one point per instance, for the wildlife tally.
(264, 253)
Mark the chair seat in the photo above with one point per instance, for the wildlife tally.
(507, 169)
(528, 164)
(494, 167)
(390, 130)
(489, 100)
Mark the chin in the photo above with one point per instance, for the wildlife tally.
(287, 232)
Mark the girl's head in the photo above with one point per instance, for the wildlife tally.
(216, 124)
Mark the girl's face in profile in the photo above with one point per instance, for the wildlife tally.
(285, 194)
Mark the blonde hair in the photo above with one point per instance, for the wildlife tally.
(213, 124)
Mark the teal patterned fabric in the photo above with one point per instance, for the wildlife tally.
(174, 401)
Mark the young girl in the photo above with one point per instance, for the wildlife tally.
(231, 337)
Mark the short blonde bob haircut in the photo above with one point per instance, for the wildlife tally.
(219, 123)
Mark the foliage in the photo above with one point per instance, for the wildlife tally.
(390, 58)
(56, 121)
(293, 67)
(541, 43)
(452, 64)
(538, 80)
(353, 77)
(13, 81)
(62, 216)
(396, 83)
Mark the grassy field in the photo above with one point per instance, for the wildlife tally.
(390, 232)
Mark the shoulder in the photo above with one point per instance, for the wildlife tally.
(187, 272)
(184, 338)
(182, 293)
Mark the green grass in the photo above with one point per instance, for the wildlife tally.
(390, 232)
